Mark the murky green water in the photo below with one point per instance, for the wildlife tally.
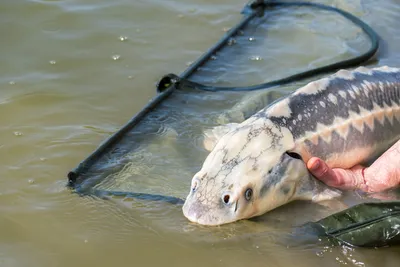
(73, 72)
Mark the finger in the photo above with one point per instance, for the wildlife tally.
(339, 178)
(321, 171)
(350, 179)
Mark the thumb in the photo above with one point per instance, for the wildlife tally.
(345, 179)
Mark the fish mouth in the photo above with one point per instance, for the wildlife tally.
(200, 214)
(206, 222)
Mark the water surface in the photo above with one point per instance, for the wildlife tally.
(73, 72)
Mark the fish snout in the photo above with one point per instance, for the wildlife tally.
(191, 212)
(211, 211)
(196, 212)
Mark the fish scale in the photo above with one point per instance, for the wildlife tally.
(356, 106)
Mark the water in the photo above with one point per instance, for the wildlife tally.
(73, 72)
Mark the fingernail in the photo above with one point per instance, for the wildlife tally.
(316, 165)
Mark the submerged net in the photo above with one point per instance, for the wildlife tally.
(156, 157)
(161, 153)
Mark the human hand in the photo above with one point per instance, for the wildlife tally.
(383, 174)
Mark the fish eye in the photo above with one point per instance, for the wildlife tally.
(248, 194)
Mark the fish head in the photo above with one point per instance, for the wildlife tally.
(248, 173)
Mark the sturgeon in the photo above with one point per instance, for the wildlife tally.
(347, 118)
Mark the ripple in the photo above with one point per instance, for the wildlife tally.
(65, 94)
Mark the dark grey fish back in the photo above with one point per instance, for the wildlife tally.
(339, 98)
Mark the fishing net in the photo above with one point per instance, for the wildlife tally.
(363, 225)
(154, 156)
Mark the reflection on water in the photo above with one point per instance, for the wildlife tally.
(73, 72)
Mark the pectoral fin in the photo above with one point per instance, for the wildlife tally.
(211, 136)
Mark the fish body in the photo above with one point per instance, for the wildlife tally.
(346, 119)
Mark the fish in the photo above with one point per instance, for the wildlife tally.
(347, 118)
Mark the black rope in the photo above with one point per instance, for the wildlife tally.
(181, 82)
